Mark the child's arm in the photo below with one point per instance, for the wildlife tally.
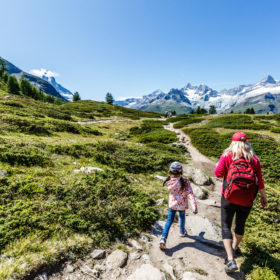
(191, 198)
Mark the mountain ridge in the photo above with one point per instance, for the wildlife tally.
(37, 81)
(264, 94)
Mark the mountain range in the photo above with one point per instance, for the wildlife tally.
(264, 96)
(44, 81)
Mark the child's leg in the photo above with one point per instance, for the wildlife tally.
(170, 219)
(182, 215)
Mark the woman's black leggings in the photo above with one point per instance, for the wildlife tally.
(228, 211)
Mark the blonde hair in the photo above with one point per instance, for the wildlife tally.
(238, 149)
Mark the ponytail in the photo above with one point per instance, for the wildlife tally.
(166, 180)
(183, 183)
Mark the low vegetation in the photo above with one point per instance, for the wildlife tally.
(48, 212)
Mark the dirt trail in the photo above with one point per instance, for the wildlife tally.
(198, 256)
(199, 160)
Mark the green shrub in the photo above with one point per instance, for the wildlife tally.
(103, 206)
(133, 159)
(275, 129)
(22, 154)
(223, 121)
(186, 122)
(152, 131)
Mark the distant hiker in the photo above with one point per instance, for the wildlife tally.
(180, 191)
(242, 174)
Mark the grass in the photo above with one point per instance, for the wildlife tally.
(48, 213)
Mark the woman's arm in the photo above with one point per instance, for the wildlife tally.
(263, 198)
(221, 169)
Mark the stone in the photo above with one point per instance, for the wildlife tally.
(3, 172)
(91, 272)
(211, 202)
(145, 238)
(135, 256)
(132, 179)
(117, 259)
(169, 269)
(193, 276)
(146, 258)
(69, 268)
(135, 244)
(88, 169)
(160, 201)
(122, 139)
(98, 254)
(100, 267)
(162, 178)
(158, 227)
(198, 177)
(197, 191)
(43, 276)
(147, 272)
(204, 230)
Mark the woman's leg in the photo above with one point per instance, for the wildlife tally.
(182, 215)
(227, 213)
(170, 219)
(242, 214)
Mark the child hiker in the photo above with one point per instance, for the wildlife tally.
(180, 191)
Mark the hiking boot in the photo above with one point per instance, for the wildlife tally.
(237, 252)
(184, 233)
(230, 266)
(162, 243)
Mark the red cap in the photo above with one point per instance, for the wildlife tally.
(239, 136)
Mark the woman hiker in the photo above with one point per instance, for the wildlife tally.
(241, 170)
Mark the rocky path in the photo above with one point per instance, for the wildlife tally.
(199, 256)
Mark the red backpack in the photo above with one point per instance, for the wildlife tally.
(241, 185)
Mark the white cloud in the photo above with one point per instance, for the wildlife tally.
(43, 71)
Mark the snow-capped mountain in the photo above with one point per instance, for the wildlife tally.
(263, 95)
(34, 79)
(50, 77)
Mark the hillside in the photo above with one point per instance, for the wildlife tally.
(77, 176)
(47, 86)
(264, 96)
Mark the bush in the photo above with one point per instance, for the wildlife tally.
(103, 206)
(223, 121)
(275, 129)
(22, 154)
(186, 122)
(133, 159)
(153, 131)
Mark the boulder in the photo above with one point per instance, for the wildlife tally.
(88, 169)
(3, 173)
(169, 269)
(135, 244)
(147, 272)
(203, 230)
(198, 177)
(193, 276)
(117, 259)
(98, 254)
(162, 178)
(197, 191)
(160, 201)
(135, 256)
(145, 238)
(69, 268)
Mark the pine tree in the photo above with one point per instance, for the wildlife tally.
(3, 67)
(212, 110)
(13, 85)
(26, 87)
(109, 98)
(76, 96)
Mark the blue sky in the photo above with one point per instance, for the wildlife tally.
(133, 47)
